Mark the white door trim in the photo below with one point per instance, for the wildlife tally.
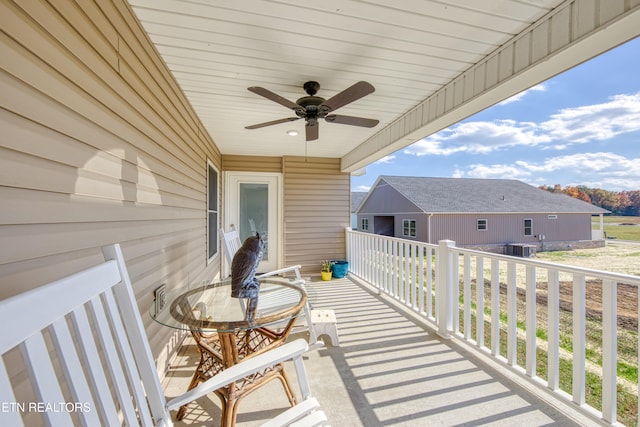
(234, 178)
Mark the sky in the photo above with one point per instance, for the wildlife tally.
(581, 127)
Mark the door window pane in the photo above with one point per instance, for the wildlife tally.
(254, 208)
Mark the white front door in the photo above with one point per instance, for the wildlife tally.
(253, 205)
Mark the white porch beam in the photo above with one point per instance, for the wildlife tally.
(574, 32)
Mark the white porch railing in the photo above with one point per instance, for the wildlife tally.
(439, 282)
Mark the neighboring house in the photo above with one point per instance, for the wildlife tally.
(356, 198)
(488, 214)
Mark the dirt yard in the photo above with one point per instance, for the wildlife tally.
(616, 257)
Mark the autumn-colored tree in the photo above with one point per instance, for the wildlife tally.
(619, 203)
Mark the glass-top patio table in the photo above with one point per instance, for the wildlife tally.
(228, 330)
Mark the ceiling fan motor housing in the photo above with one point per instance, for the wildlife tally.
(311, 87)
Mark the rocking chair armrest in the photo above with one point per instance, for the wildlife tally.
(294, 268)
(290, 351)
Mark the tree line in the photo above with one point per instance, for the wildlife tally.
(625, 203)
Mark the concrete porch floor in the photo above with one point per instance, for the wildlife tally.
(390, 369)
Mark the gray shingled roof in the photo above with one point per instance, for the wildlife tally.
(463, 195)
(356, 198)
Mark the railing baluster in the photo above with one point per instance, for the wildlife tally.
(495, 307)
(379, 273)
(371, 266)
(456, 292)
(421, 274)
(579, 331)
(406, 253)
(414, 276)
(467, 296)
(609, 349)
(553, 307)
(394, 269)
(512, 315)
(479, 301)
(429, 290)
(531, 320)
(362, 266)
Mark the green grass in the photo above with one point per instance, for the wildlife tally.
(621, 232)
(627, 402)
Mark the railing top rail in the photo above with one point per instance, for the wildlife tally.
(393, 239)
(589, 272)
(607, 275)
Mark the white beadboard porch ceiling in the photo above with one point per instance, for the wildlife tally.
(407, 49)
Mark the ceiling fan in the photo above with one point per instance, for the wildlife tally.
(311, 107)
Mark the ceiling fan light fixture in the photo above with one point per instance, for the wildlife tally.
(292, 132)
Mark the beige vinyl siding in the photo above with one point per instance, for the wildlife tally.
(251, 163)
(98, 145)
(316, 211)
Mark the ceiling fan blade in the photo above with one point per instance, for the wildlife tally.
(273, 97)
(348, 95)
(273, 122)
(349, 120)
(311, 131)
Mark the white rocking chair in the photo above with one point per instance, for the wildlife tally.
(232, 243)
(79, 342)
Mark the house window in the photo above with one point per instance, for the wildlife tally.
(482, 225)
(364, 224)
(212, 211)
(528, 227)
(409, 227)
(552, 216)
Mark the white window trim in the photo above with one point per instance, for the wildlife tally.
(217, 211)
(362, 224)
(415, 227)
(524, 222)
(486, 224)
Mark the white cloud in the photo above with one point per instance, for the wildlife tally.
(621, 114)
(515, 98)
(601, 170)
(570, 126)
(493, 171)
(479, 137)
(365, 188)
(385, 160)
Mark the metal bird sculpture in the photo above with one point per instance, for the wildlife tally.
(243, 268)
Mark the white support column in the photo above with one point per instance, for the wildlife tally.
(444, 287)
(602, 236)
